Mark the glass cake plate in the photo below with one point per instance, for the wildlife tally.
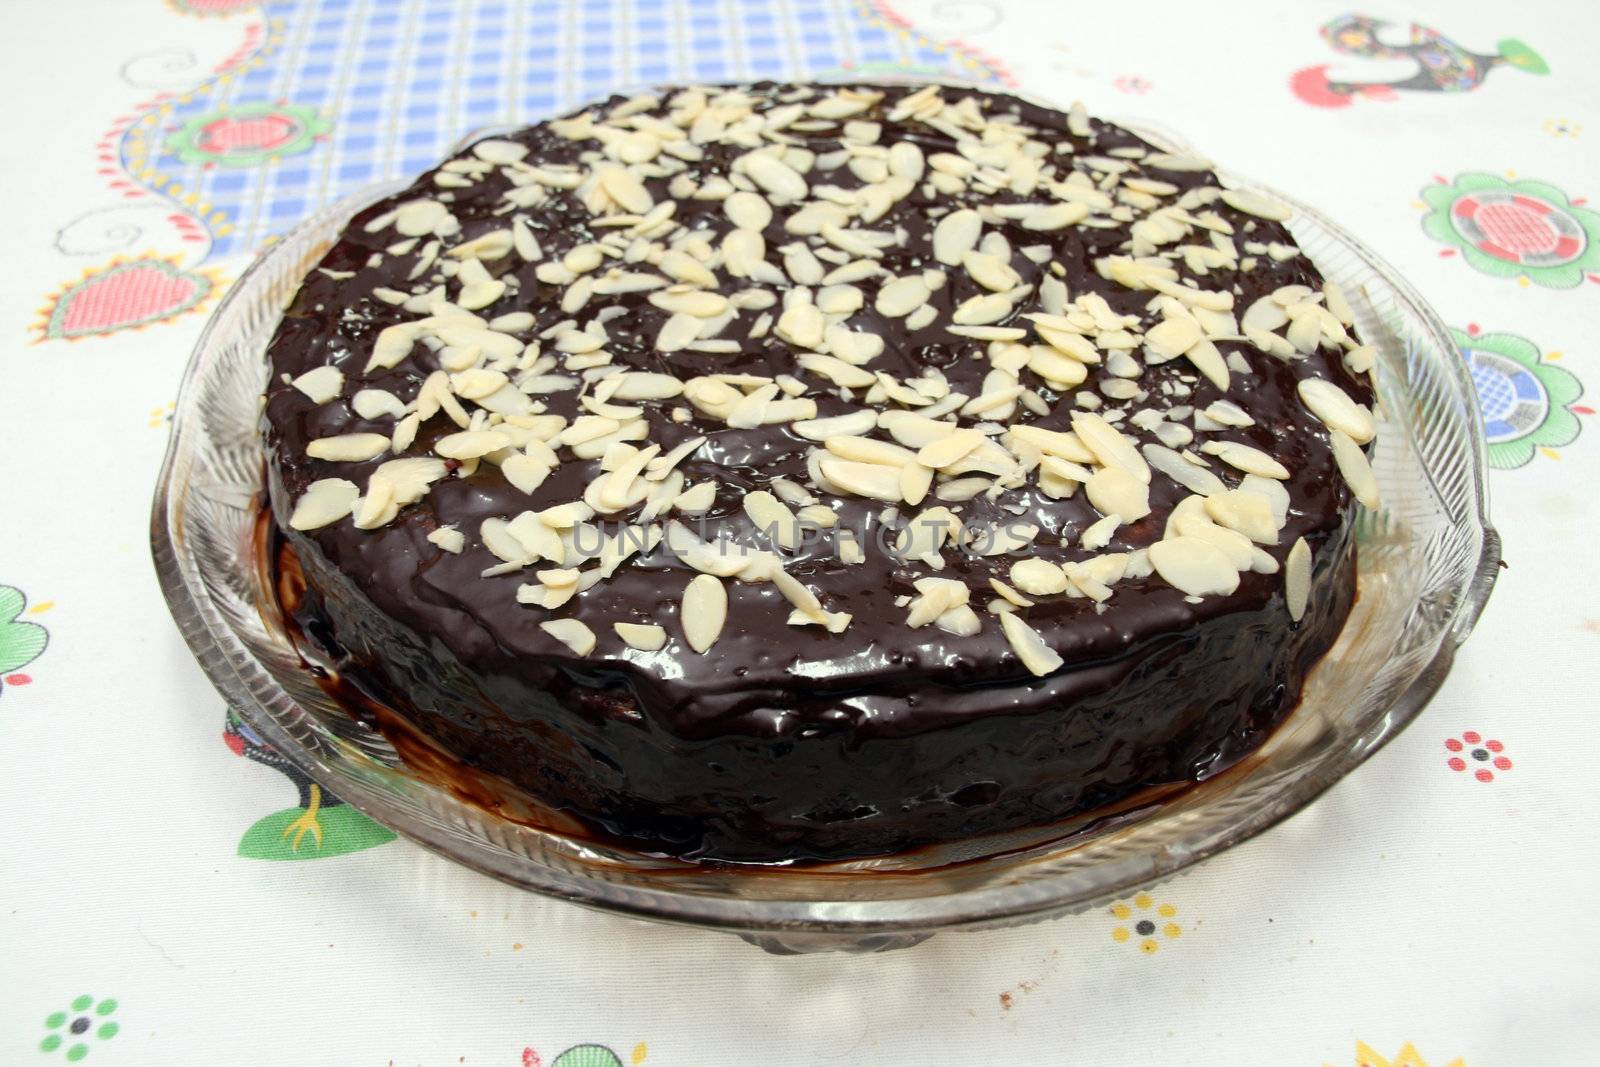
(1427, 562)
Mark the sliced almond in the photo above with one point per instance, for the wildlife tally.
(1193, 566)
(697, 499)
(775, 176)
(704, 611)
(1068, 446)
(1009, 595)
(981, 310)
(320, 384)
(901, 297)
(678, 331)
(419, 218)
(1055, 216)
(1173, 337)
(870, 480)
(680, 300)
(1236, 546)
(1334, 408)
(915, 481)
(1249, 513)
(1207, 359)
(869, 450)
(496, 535)
(1114, 491)
(1038, 577)
(646, 637)
(374, 404)
(1250, 460)
(748, 211)
(1353, 464)
(1038, 657)
(411, 476)
(947, 450)
(1297, 579)
(348, 447)
(1255, 204)
(801, 325)
(936, 596)
(1194, 478)
(449, 539)
(991, 272)
(572, 633)
(837, 370)
(324, 502)
(955, 235)
(645, 385)
(471, 444)
(840, 299)
(853, 424)
(525, 472)
(622, 184)
(773, 518)
(1109, 445)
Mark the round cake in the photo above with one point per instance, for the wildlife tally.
(777, 473)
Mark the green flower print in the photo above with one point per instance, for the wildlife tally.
(1527, 402)
(247, 135)
(87, 1021)
(1515, 229)
(587, 1056)
(20, 642)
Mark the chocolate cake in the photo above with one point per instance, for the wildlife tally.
(776, 472)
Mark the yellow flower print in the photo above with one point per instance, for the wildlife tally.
(1408, 1056)
(1145, 922)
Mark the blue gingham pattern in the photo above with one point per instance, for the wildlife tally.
(401, 80)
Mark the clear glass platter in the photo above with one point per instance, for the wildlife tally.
(1427, 562)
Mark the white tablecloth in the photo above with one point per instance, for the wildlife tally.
(164, 898)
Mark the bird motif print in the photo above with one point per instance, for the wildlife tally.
(1428, 61)
(318, 826)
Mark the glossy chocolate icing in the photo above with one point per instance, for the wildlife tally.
(787, 743)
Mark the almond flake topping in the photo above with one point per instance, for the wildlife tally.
(471, 444)
(1038, 657)
(1297, 579)
(348, 448)
(1196, 567)
(955, 235)
(323, 503)
(572, 633)
(320, 384)
(646, 637)
(689, 295)
(1333, 406)
(774, 176)
(1255, 204)
(449, 539)
(703, 612)
(1353, 464)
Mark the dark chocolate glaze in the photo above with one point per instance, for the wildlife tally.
(786, 743)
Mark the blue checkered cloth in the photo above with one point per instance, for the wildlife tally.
(399, 81)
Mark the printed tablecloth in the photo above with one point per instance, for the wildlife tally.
(171, 892)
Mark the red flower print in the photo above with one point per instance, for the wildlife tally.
(1471, 748)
